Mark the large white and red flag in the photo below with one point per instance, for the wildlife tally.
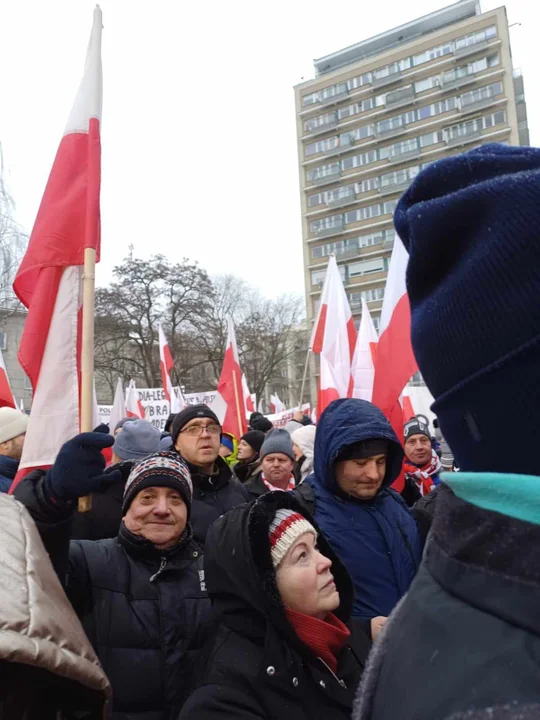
(334, 339)
(230, 387)
(49, 280)
(166, 364)
(396, 363)
(365, 353)
(6, 394)
(276, 405)
(249, 404)
(134, 406)
(118, 410)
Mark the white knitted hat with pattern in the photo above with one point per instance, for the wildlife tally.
(285, 529)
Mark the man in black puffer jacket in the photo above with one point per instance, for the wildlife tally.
(196, 435)
(141, 597)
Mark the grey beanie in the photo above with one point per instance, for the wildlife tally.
(136, 440)
(277, 441)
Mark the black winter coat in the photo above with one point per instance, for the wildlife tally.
(143, 610)
(256, 667)
(213, 495)
(468, 631)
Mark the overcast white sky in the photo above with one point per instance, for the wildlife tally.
(199, 148)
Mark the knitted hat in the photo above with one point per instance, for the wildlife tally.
(226, 440)
(304, 437)
(12, 423)
(471, 224)
(163, 469)
(292, 425)
(190, 413)
(277, 441)
(260, 423)
(136, 440)
(285, 529)
(415, 427)
(254, 439)
(122, 422)
(363, 449)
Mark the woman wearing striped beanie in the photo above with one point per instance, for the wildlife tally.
(284, 646)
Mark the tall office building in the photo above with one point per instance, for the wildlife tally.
(376, 114)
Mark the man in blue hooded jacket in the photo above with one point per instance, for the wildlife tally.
(357, 458)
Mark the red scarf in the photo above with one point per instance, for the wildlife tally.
(325, 638)
(422, 476)
(271, 487)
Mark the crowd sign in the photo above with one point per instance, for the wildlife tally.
(280, 419)
(156, 406)
(204, 398)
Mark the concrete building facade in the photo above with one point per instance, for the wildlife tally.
(380, 111)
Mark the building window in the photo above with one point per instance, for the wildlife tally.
(483, 93)
(3, 340)
(476, 37)
(365, 267)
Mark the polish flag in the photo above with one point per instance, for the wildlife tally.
(396, 363)
(166, 364)
(49, 279)
(230, 387)
(276, 405)
(334, 339)
(408, 410)
(118, 410)
(134, 406)
(6, 394)
(363, 365)
(249, 405)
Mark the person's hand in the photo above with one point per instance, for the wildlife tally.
(79, 467)
(298, 415)
(377, 624)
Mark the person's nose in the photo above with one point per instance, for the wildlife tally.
(371, 471)
(162, 507)
(323, 563)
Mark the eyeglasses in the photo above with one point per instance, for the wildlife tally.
(197, 430)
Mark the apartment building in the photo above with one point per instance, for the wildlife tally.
(376, 114)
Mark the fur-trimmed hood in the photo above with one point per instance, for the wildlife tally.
(241, 579)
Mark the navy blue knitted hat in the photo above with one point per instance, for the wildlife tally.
(471, 224)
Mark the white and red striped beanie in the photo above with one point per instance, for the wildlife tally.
(285, 529)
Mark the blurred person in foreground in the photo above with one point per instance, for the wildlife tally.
(469, 627)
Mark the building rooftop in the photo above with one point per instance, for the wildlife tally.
(398, 36)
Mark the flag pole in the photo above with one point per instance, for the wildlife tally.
(237, 400)
(87, 354)
(304, 377)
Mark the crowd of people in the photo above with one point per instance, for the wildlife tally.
(280, 574)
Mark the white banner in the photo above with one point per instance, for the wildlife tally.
(280, 419)
(204, 398)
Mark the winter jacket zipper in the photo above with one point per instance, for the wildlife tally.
(161, 568)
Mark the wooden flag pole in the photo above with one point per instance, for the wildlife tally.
(87, 354)
(237, 400)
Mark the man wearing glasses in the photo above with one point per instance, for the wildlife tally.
(196, 435)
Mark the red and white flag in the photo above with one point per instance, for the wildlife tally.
(249, 403)
(363, 365)
(178, 402)
(118, 410)
(49, 280)
(396, 363)
(230, 387)
(134, 406)
(276, 405)
(408, 410)
(334, 339)
(166, 364)
(6, 394)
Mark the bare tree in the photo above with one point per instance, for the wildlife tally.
(13, 241)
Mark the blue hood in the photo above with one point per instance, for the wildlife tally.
(348, 421)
